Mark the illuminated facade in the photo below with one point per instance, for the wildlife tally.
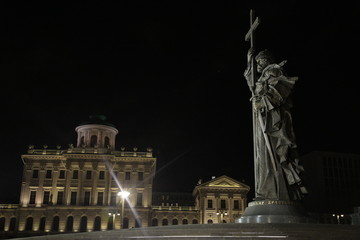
(76, 189)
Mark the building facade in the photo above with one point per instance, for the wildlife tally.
(333, 181)
(77, 189)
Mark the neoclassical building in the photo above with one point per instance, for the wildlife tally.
(80, 189)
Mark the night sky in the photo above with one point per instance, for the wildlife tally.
(169, 75)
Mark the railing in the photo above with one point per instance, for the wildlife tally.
(88, 150)
(174, 208)
(9, 206)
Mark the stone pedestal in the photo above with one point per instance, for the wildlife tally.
(274, 211)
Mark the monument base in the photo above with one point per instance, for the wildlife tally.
(274, 211)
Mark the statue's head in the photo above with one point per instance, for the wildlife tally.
(263, 59)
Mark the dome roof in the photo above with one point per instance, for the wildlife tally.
(97, 119)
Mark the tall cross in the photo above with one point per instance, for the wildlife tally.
(251, 36)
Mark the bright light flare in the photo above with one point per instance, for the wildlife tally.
(123, 194)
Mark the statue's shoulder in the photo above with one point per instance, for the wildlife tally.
(274, 71)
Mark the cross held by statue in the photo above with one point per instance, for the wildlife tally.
(250, 35)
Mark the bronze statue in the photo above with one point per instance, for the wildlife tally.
(277, 168)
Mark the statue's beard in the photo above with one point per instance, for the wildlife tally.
(261, 67)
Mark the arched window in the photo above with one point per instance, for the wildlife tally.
(125, 223)
(42, 224)
(2, 224)
(55, 224)
(97, 224)
(210, 221)
(110, 225)
(93, 141)
(83, 224)
(184, 221)
(137, 223)
(12, 226)
(82, 141)
(29, 224)
(175, 222)
(195, 221)
(165, 222)
(154, 222)
(69, 224)
(106, 141)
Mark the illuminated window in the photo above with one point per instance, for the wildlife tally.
(32, 197)
(35, 173)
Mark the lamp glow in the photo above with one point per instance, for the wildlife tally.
(123, 194)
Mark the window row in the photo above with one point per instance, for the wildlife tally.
(69, 224)
(88, 174)
(236, 206)
(94, 141)
(165, 222)
(86, 198)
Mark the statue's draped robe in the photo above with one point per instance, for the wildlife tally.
(272, 97)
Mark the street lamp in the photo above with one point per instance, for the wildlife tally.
(222, 214)
(123, 195)
(338, 217)
(113, 214)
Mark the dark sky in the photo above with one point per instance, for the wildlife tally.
(168, 74)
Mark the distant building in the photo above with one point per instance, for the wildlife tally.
(76, 190)
(220, 200)
(333, 181)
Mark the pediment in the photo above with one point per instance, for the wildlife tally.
(223, 181)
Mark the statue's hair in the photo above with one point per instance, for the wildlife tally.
(265, 54)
